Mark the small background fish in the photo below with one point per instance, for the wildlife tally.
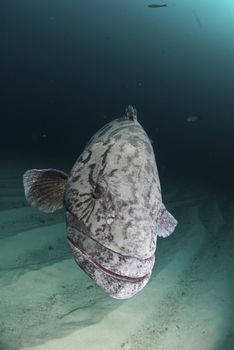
(157, 5)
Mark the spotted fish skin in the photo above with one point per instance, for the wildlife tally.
(113, 204)
(120, 160)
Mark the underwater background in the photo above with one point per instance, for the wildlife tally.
(69, 67)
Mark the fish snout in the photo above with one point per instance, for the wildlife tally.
(120, 276)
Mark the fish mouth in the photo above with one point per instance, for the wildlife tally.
(119, 275)
(105, 270)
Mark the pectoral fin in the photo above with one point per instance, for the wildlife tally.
(166, 223)
(44, 188)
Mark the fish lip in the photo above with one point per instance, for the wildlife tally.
(103, 258)
(105, 270)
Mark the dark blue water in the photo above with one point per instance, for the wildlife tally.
(68, 67)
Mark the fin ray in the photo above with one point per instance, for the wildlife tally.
(166, 223)
(44, 188)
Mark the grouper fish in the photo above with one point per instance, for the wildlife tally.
(156, 6)
(113, 204)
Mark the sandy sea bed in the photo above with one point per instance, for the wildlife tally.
(48, 303)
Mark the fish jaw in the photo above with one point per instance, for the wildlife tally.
(120, 276)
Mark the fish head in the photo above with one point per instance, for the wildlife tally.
(111, 200)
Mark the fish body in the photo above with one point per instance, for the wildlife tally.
(155, 6)
(113, 203)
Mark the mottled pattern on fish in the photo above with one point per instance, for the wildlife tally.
(114, 206)
(119, 158)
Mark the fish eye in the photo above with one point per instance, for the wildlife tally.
(97, 191)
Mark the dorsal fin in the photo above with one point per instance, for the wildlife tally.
(130, 113)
